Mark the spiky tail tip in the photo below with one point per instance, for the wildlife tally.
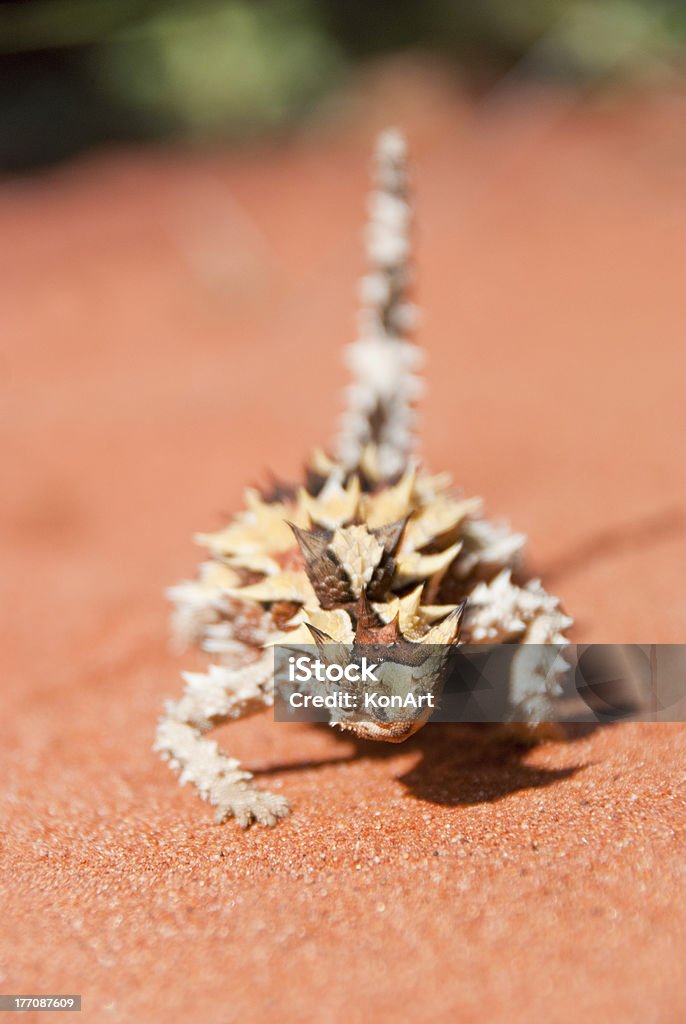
(380, 416)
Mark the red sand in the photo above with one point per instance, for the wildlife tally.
(165, 314)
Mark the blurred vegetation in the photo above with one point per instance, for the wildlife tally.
(81, 72)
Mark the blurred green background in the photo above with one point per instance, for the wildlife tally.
(77, 73)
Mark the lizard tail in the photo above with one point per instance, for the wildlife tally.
(379, 420)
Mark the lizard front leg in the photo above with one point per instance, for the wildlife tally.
(211, 698)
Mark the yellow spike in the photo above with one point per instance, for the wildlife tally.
(321, 463)
(391, 504)
(254, 561)
(262, 529)
(410, 623)
(432, 612)
(283, 586)
(412, 566)
(267, 535)
(369, 461)
(217, 574)
(435, 520)
(415, 617)
(336, 623)
(334, 504)
(298, 636)
(445, 632)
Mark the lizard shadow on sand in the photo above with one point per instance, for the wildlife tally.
(460, 765)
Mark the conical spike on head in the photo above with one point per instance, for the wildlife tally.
(386, 633)
(312, 543)
(327, 575)
(390, 535)
(320, 638)
(365, 616)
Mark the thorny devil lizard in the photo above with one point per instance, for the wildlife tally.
(370, 548)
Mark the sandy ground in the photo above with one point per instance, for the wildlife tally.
(172, 325)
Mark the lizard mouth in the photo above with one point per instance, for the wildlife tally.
(386, 732)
